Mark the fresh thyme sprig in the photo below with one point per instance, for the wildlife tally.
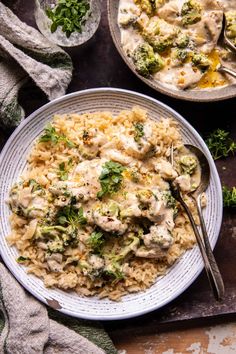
(229, 197)
(220, 144)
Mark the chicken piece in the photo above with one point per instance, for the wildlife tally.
(137, 146)
(81, 193)
(145, 252)
(159, 237)
(106, 217)
(206, 33)
(151, 204)
(130, 206)
(187, 76)
(54, 262)
(184, 182)
(83, 183)
(96, 262)
(116, 155)
(28, 202)
(170, 13)
(93, 139)
(165, 169)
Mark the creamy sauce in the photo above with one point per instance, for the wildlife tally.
(204, 35)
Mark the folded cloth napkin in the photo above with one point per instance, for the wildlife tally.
(25, 52)
(26, 327)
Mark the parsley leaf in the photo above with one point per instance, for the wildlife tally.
(69, 215)
(229, 197)
(50, 135)
(110, 178)
(220, 144)
(96, 241)
(35, 185)
(139, 132)
(62, 173)
(81, 218)
(22, 259)
(63, 170)
(69, 15)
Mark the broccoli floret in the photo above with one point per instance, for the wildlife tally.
(170, 202)
(182, 41)
(231, 25)
(146, 5)
(162, 44)
(201, 61)
(114, 270)
(126, 18)
(191, 12)
(96, 241)
(56, 246)
(159, 3)
(146, 61)
(132, 246)
(180, 54)
(188, 164)
(160, 34)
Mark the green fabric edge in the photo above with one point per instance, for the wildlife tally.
(59, 60)
(92, 330)
(11, 114)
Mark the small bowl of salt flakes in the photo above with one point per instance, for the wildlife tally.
(68, 23)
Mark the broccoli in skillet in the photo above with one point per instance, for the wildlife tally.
(201, 61)
(231, 25)
(146, 61)
(191, 12)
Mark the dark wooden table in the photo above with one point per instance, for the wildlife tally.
(98, 64)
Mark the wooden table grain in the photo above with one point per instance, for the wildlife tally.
(98, 64)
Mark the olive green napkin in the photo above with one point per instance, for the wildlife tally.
(24, 53)
(26, 326)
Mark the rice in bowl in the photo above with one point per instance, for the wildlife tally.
(93, 211)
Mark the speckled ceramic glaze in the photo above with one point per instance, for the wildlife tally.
(205, 95)
(13, 162)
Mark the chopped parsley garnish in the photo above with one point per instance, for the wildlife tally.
(50, 135)
(220, 144)
(110, 178)
(139, 132)
(229, 197)
(63, 170)
(69, 15)
(62, 173)
(69, 215)
(22, 259)
(96, 241)
(85, 136)
(35, 185)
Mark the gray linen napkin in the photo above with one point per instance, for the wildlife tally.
(25, 52)
(27, 328)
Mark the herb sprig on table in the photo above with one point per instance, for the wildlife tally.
(220, 144)
(69, 15)
(229, 197)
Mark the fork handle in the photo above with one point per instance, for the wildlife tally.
(213, 276)
(229, 44)
(208, 248)
(223, 69)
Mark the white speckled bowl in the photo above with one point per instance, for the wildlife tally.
(13, 161)
(59, 37)
(205, 95)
